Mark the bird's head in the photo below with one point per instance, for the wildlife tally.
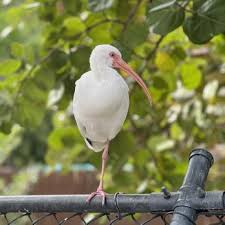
(103, 56)
(109, 56)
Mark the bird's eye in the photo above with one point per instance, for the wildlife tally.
(112, 54)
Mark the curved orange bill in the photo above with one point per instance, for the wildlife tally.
(121, 64)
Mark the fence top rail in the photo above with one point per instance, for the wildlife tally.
(153, 202)
(212, 203)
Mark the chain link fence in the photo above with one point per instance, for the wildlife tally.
(190, 205)
(102, 218)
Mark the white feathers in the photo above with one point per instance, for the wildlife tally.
(100, 58)
(101, 100)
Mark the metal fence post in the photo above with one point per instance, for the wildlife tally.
(200, 162)
(190, 201)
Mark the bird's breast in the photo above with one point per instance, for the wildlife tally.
(100, 98)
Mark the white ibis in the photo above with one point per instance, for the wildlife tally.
(101, 102)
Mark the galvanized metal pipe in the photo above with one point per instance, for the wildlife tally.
(153, 202)
(212, 203)
(190, 200)
(192, 189)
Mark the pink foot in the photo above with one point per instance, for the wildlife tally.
(98, 192)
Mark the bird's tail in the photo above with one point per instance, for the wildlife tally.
(95, 145)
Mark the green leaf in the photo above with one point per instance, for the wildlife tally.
(208, 21)
(17, 50)
(9, 66)
(138, 103)
(164, 16)
(72, 6)
(31, 103)
(80, 59)
(131, 38)
(161, 86)
(29, 116)
(176, 132)
(191, 75)
(178, 53)
(171, 80)
(160, 83)
(101, 34)
(121, 145)
(123, 8)
(63, 137)
(6, 104)
(14, 14)
(165, 62)
(9, 142)
(73, 26)
(57, 60)
(46, 11)
(141, 157)
(160, 143)
(99, 5)
(64, 146)
(29, 54)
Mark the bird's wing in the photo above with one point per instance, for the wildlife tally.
(81, 127)
(92, 144)
(118, 119)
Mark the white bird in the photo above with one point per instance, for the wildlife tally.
(101, 102)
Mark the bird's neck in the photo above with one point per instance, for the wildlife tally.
(103, 72)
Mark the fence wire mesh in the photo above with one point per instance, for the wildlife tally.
(27, 218)
(189, 206)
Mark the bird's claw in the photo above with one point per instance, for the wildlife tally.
(98, 192)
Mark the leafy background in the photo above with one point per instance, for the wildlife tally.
(177, 46)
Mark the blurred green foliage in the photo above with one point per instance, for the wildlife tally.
(44, 49)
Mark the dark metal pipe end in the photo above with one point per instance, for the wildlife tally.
(204, 153)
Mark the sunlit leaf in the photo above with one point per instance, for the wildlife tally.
(73, 26)
(17, 49)
(165, 62)
(14, 14)
(9, 66)
(191, 76)
(63, 142)
(176, 132)
(101, 34)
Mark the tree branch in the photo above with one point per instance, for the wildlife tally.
(131, 14)
(154, 50)
(88, 29)
(151, 54)
(42, 60)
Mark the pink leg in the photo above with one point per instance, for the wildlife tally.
(100, 190)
